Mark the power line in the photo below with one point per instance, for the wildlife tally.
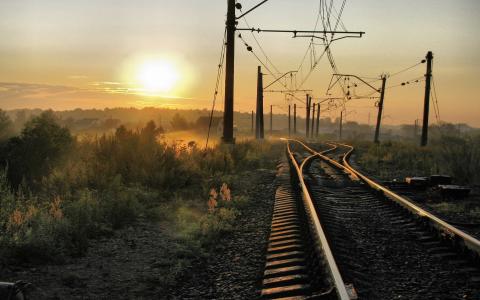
(435, 102)
(250, 49)
(217, 84)
(408, 82)
(407, 69)
(260, 46)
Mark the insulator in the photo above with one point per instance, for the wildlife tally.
(249, 48)
(238, 6)
(403, 83)
(423, 61)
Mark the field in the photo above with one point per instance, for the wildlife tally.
(138, 194)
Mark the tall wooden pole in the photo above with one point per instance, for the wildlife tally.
(307, 118)
(271, 119)
(380, 110)
(313, 120)
(289, 120)
(253, 124)
(229, 75)
(295, 119)
(426, 105)
(341, 126)
(260, 132)
(318, 120)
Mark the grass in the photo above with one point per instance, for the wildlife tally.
(108, 182)
(457, 156)
(466, 210)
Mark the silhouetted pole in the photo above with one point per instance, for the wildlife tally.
(271, 119)
(415, 129)
(289, 120)
(307, 118)
(426, 107)
(318, 120)
(341, 125)
(229, 75)
(253, 126)
(260, 132)
(380, 110)
(295, 119)
(313, 120)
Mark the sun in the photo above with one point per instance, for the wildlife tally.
(157, 76)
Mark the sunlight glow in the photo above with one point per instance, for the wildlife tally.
(158, 76)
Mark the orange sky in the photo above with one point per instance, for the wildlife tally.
(69, 54)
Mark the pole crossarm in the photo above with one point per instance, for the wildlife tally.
(278, 79)
(296, 32)
(287, 91)
(350, 75)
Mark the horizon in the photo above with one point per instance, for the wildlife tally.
(217, 112)
(60, 55)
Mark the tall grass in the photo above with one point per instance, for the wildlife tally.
(457, 156)
(107, 182)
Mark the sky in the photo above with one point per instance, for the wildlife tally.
(66, 54)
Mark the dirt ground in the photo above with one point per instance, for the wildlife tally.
(136, 262)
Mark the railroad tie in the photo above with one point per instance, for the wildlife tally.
(285, 268)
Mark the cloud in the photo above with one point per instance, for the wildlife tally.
(78, 77)
(97, 95)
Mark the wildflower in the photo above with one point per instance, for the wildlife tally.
(225, 193)
(55, 209)
(212, 201)
(17, 218)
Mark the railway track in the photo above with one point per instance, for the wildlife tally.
(336, 234)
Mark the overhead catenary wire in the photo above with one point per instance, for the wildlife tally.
(217, 85)
(250, 49)
(406, 69)
(435, 101)
(408, 82)
(267, 59)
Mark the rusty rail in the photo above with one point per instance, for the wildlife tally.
(460, 237)
(443, 227)
(319, 235)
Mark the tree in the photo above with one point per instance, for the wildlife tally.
(6, 126)
(179, 123)
(41, 145)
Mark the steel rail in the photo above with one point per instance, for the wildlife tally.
(456, 234)
(320, 237)
(328, 159)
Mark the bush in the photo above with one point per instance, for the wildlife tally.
(98, 184)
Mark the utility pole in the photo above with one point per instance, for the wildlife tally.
(318, 120)
(313, 120)
(289, 121)
(380, 110)
(295, 119)
(341, 124)
(229, 75)
(307, 118)
(415, 129)
(231, 23)
(426, 107)
(260, 133)
(271, 119)
(253, 126)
